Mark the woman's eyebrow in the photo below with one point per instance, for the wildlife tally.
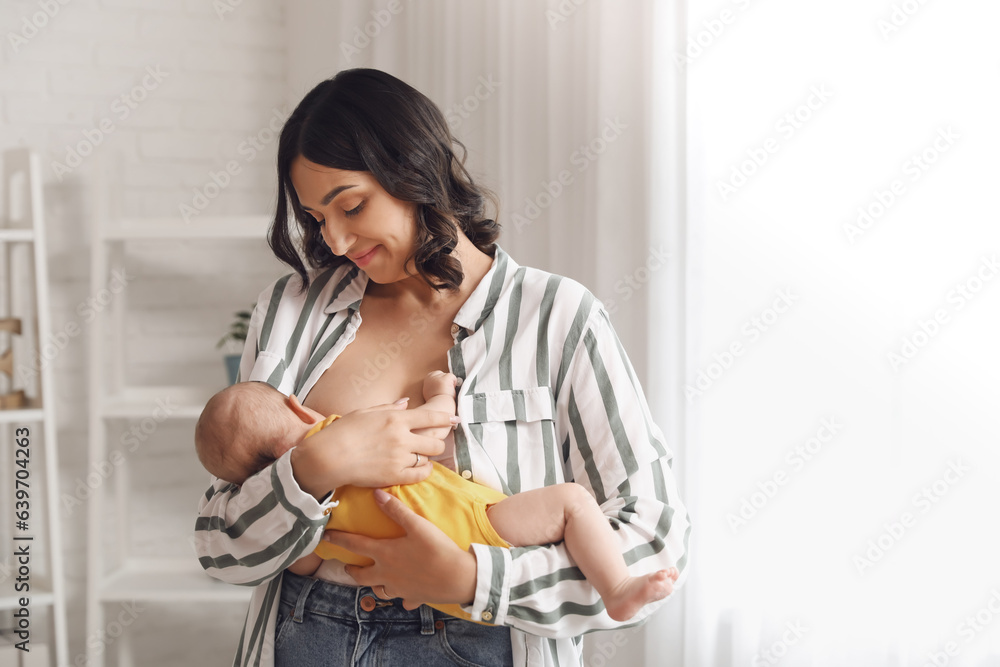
(331, 194)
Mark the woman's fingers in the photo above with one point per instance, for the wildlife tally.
(358, 544)
(385, 406)
(394, 508)
(428, 419)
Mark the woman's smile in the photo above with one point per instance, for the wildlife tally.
(364, 259)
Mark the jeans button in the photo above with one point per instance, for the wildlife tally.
(367, 603)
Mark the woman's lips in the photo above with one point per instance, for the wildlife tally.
(364, 259)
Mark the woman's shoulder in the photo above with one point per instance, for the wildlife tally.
(288, 289)
(564, 292)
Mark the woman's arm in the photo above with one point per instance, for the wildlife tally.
(247, 535)
(617, 452)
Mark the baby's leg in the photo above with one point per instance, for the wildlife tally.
(567, 512)
(306, 566)
(439, 394)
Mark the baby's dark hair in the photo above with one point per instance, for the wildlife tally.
(240, 419)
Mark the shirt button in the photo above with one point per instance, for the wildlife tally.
(454, 329)
(487, 616)
(467, 474)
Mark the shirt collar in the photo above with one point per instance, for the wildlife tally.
(350, 290)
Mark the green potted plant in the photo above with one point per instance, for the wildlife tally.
(234, 340)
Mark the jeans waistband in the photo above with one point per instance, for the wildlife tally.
(351, 602)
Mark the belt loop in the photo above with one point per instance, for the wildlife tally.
(300, 603)
(426, 620)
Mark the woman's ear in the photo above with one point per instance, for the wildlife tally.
(307, 415)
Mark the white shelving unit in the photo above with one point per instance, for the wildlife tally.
(22, 236)
(120, 577)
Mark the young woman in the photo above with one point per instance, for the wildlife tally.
(397, 273)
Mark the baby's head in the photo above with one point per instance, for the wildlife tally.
(246, 427)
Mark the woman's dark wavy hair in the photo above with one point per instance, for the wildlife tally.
(367, 120)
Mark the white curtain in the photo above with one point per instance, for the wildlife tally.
(843, 217)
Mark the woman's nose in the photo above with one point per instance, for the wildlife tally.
(338, 239)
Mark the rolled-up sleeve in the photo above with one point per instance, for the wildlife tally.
(248, 534)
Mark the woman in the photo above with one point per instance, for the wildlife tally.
(394, 237)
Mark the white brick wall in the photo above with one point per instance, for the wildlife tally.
(225, 78)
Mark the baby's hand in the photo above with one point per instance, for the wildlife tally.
(439, 382)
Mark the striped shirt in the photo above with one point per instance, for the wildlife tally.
(569, 409)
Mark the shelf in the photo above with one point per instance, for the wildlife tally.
(172, 402)
(17, 234)
(21, 415)
(36, 596)
(228, 227)
(168, 581)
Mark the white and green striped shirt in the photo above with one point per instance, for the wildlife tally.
(548, 396)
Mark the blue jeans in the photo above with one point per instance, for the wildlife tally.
(323, 624)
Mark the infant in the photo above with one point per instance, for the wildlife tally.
(249, 425)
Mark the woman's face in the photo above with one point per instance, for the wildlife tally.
(358, 218)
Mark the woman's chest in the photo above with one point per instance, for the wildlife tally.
(386, 358)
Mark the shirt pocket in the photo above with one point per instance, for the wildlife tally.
(527, 405)
(515, 430)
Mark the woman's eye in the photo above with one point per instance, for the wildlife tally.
(354, 211)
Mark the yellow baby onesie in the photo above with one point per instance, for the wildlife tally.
(451, 502)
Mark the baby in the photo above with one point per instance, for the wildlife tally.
(247, 426)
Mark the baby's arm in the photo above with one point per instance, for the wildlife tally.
(439, 395)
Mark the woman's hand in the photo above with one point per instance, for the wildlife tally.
(369, 447)
(423, 566)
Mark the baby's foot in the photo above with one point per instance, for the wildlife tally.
(634, 593)
(439, 382)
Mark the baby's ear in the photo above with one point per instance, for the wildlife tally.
(307, 415)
